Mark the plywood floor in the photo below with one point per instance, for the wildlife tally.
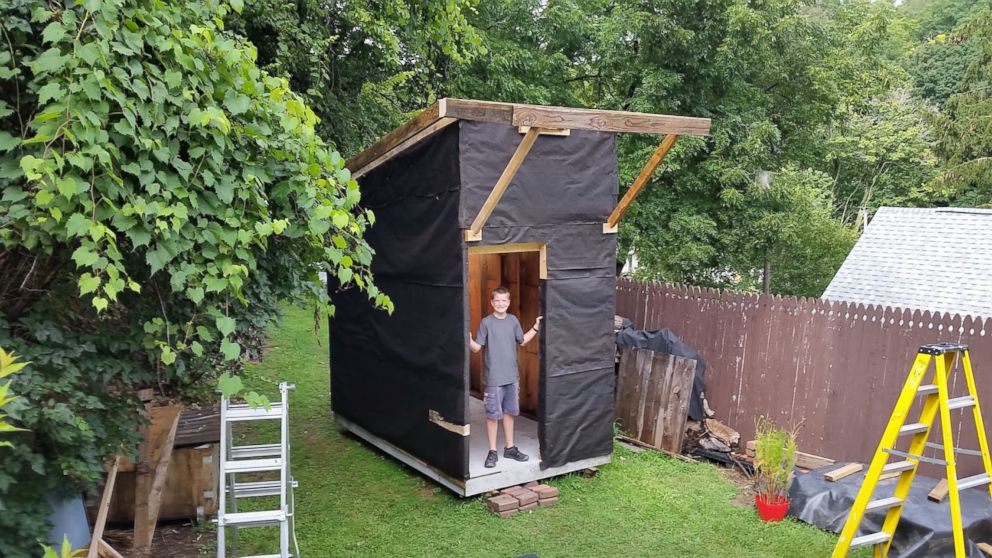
(525, 436)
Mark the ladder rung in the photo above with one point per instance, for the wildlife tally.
(923, 458)
(898, 466)
(927, 389)
(883, 504)
(913, 428)
(261, 450)
(254, 518)
(245, 412)
(960, 402)
(255, 489)
(252, 465)
(874, 538)
(977, 480)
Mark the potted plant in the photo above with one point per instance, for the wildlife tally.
(774, 461)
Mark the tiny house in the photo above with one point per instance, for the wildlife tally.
(470, 195)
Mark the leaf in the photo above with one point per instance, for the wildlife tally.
(51, 90)
(168, 355)
(229, 385)
(84, 257)
(139, 237)
(238, 5)
(89, 283)
(100, 303)
(340, 219)
(197, 348)
(8, 141)
(53, 32)
(230, 349)
(77, 225)
(49, 61)
(30, 164)
(345, 275)
(237, 103)
(225, 325)
(157, 258)
(195, 294)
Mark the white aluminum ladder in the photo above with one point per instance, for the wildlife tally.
(255, 459)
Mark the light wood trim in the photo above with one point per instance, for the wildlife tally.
(846, 470)
(560, 132)
(639, 183)
(436, 418)
(101, 516)
(426, 117)
(403, 146)
(474, 233)
(479, 111)
(609, 121)
(155, 454)
(542, 249)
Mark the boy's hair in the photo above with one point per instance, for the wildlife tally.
(500, 290)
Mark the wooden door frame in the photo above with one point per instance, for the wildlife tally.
(515, 248)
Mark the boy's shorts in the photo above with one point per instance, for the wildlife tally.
(502, 399)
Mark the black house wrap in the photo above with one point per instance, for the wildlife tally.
(389, 373)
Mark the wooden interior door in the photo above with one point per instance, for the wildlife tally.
(519, 272)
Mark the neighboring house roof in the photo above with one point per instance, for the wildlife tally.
(937, 259)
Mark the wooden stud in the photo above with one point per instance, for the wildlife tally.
(560, 132)
(985, 547)
(890, 475)
(803, 460)
(107, 551)
(516, 247)
(474, 233)
(639, 183)
(939, 492)
(101, 516)
(436, 418)
(403, 146)
(609, 121)
(155, 454)
(846, 470)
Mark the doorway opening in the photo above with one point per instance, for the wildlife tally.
(522, 269)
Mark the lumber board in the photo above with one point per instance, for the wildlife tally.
(803, 460)
(845, 471)
(478, 111)
(609, 121)
(939, 491)
(641, 181)
(474, 232)
(155, 454)
(403, 146)
(101, 518)
(986, 548)
(107, 551)
(426, 117)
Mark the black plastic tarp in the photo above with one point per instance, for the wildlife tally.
(388, 372)
(664, 341)
(924, 529)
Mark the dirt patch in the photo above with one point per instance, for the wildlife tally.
(172, 540)
(744, 484)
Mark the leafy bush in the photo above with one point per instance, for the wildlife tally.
(161, 195)
(774, 458)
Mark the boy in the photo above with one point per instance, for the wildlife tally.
(500, 333)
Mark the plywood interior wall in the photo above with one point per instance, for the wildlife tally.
(520, 273)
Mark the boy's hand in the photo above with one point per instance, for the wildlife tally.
(537, 323)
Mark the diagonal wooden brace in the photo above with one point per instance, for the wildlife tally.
(474, 233)
(610, 226)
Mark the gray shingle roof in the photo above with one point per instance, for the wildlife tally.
(937, 259)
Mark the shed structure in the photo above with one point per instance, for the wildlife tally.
(470, 195)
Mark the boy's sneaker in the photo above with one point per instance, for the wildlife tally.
(515, 454)
(491, 459)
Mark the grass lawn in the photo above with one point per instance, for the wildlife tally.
(353, 501)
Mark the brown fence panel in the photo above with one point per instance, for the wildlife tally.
(837, 366)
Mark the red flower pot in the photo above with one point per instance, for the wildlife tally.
(771, 507)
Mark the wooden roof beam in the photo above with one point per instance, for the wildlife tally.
(610, 226)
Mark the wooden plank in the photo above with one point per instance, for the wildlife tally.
(475, 231)
(406, 144)
(107, 551)
(609, 121)
(479, 111)
(428, 116)
(985, 547)
(156, 452)
(939, 492)
(101, 518)
(640, 181)
(846, 470)
(676, 412)
(476, 287)
(803, 460)
(542, 249)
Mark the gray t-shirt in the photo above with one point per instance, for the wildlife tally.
(500, 337)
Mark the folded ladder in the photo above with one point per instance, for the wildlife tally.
(259, 458)
(936, 401)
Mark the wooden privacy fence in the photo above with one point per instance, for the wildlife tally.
(838, 366)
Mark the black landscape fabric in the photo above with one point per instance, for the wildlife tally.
(665, 341)
(387, 373)
(924, 529)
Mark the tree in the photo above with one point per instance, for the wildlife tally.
(161, 195)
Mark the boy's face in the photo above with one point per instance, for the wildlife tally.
(501, 302)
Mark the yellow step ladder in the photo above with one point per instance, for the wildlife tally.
(936, 399)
